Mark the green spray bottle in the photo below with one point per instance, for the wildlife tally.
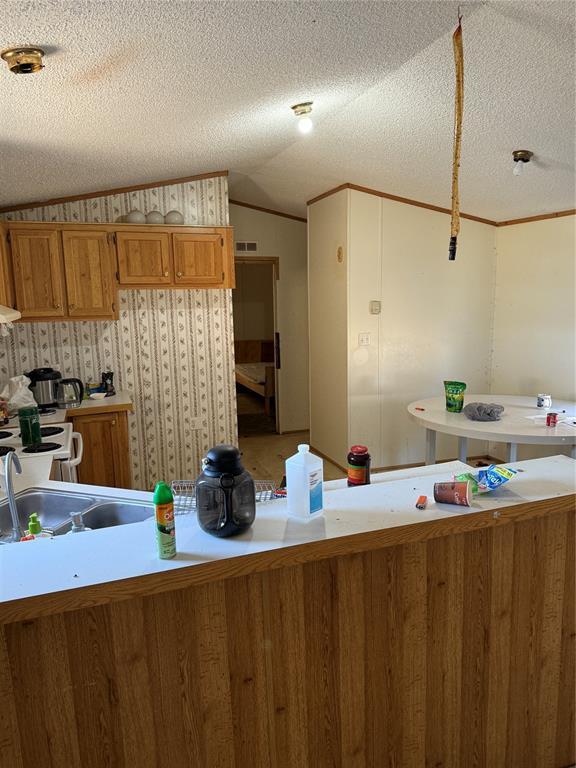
(165, 527)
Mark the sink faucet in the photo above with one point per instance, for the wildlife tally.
(9, 460)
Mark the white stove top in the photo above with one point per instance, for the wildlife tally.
(58, 436)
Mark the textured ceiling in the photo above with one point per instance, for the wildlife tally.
(139, 91)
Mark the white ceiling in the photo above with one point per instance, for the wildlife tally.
(138, 91)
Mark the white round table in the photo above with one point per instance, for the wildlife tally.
(521, 422)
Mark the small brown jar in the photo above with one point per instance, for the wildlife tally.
(358, 466)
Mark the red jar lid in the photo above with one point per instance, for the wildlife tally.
(359, 449)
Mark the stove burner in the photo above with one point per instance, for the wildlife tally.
(50, 431)
(5, 449)
(42, 448)
(5, 435)
(46, 410)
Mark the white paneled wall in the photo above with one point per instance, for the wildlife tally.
(535, 314)
(435, 322)
(328, 321)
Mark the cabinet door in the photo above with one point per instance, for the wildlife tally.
(6, 285)
(106, 459)
(143, 258)
(89, 270)
(199, 260)
(38, 272)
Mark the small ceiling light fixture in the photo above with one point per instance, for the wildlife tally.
(23, 61)
(302, 112)
(521, 156)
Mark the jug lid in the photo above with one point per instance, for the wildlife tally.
(44, 374)
(223, 459)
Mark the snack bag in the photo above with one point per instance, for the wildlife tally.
(494, 477)
(488, 479)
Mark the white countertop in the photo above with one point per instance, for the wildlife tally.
(105, 555)
(121, 400)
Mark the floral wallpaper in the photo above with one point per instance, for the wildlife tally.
(173, 350)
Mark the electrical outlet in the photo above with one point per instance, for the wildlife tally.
(363, 339)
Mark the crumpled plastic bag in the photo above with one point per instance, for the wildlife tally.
(17, 394)
(483, 411)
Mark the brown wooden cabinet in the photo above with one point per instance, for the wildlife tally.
(106, 460)
(199, 259)
(38, 272)
(63, 271)
(90, 274)
(144, 258)
(6, 283)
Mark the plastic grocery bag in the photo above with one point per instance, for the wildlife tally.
(17, 394)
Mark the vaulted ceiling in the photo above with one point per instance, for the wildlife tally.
(136, 91)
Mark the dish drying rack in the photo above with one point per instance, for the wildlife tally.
(184, 492)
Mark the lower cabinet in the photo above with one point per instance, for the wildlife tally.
(106, 458)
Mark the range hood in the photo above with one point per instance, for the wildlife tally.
(8, 315)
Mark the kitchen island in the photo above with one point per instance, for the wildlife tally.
(375, 635)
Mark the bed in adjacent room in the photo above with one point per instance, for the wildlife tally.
(254, 362)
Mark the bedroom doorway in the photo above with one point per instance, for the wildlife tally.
(255, 345)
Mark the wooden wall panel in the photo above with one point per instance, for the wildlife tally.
(96, 702)
(456, 651)
(565, 724)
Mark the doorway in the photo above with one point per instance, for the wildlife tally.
(255, 334)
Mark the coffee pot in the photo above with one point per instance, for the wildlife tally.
(69, 393)
(43, 385)
(225, 493)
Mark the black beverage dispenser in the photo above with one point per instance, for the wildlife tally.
(225, 493)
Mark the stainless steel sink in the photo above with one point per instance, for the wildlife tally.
(54, 509)
(112, 513)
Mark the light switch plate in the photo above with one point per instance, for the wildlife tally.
(363, 339)
(375, 307)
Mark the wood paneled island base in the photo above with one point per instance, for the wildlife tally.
(446, 644)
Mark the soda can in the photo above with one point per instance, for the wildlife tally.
(551, 419)
(544, 401)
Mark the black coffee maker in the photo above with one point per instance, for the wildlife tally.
(225, 493)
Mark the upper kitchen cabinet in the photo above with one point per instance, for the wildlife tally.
(6, 283)
(199, 259)
(175, 257)
(65, 271)
(144, 258)
(38, 272)
(89, 268)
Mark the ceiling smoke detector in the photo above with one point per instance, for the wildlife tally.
(23, 61)
(521, 156)
(302, 112)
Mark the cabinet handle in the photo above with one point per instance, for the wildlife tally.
(178, 274)
(71, 306)
(113, 422)
(56, 306)
(166, 274)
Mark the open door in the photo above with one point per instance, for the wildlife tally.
(257, 346)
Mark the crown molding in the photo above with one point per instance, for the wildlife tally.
(419, 204)
(268, 210)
